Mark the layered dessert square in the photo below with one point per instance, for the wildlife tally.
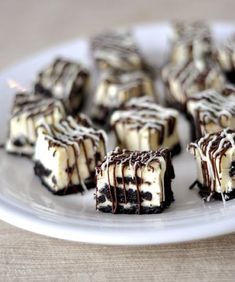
(134, 182)
(27, 111)
(66, 155)
(215, 158)
(143, 125)
(190, 41)
(183, 80)
(211, 111)
(65, 80)
(226, 57)
(115, 89)
(116, 50)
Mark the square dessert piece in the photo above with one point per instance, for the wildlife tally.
(183, 80)
(225, 55)
(211, 111)
(116, 50)
(26, 113)
(115, 89)
(134, 182)
(215, 157)
(190, 41)
(64, 80)
(66, 155)
(143, 125)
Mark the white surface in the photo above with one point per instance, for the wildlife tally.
(27, 204)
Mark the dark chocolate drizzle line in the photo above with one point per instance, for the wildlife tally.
(146, 111)
(76, 162)
(35, 107)
(137, 160)
(124, 184)
(115, 189)
(213, 106)
(137, 187)
(60, 135)
(202, 144)
(86, 157)
(110, 191)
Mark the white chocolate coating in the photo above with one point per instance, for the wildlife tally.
(214, 154)
(144, 125)
(69, 151)
(27, 112)
(115, 89)
(211, 111)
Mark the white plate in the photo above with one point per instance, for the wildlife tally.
(28, 205)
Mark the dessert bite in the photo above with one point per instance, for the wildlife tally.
(215, 157)
(190, 41)
(226, 57)
(114, 89)
(134, 182)
(183, 80)
(116, 50)
(26, 113)
(65, 80)
(66, 155)
(143, 125)
(211, 111)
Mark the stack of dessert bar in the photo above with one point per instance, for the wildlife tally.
(69, 151)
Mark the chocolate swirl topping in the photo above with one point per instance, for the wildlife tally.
(182, 28)
(68, 133)
(33, 108)
(135, 160)
(34, 105)
(192, 77)
(211, 149)
(118, 41)
(65, 80)
(143, 112)
(210, 106)
(117, 49)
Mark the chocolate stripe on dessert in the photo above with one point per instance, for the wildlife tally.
(180, 29)
(120, 42)
(212, 107)
(114, 89)
(141, 113)
(183, 80)
(211, 149)
(116, 50)
(225, 56)
(61, 77)
(27, 112)
(135, 161)
(68, 134)
(35, 105)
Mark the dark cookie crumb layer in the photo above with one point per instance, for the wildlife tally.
(204, 192)
(133, 210)
(41, 171)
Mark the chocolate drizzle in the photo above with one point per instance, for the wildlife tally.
(209, 107)
(210, 150)
(68, 134)
(191, 41)
(191, 77)
(225, 57)
(27, 111)
(65, 80)
(117, 50)
(143, 114)
(135, 161)
(115, 89)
